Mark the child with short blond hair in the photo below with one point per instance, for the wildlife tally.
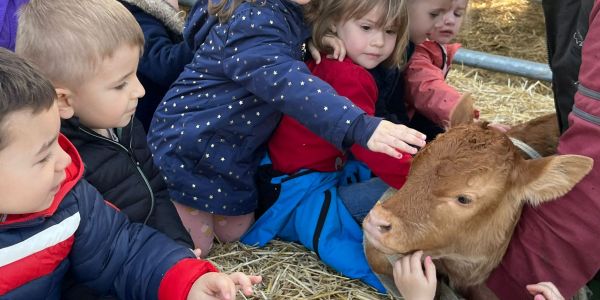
(90, 52)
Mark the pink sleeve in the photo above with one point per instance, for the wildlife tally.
(559, 241)
(427, 91)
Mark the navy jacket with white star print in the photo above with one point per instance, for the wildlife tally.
(209, 133)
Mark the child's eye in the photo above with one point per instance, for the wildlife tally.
(121, 86)
(458, 15)
(390, 32)
(365, 27)
(434, 14)
(45, 159)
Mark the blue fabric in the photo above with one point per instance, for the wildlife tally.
(108, 254)
(308, 209)
(360, 197)
(8, 22)
(165, 55)
(208, 135)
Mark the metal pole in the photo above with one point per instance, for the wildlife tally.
(503, 64)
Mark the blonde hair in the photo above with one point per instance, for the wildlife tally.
(68, 39)
(322, 15)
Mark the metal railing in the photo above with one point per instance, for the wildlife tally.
(503, 64)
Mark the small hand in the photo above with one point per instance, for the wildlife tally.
(329, 41)
(221, 286)
(337, 45)
(391, 138)
(410, 280)
(544, 291)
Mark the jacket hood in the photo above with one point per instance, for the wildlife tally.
(73, 173)
(163, 11)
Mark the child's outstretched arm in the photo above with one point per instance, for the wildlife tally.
(222, 286)
(410, 280)
(259, 57)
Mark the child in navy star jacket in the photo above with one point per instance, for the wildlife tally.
(208, 135)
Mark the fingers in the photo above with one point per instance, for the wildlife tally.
(415, 263)
(335, 43)
(390, 138)
(245, 282)
(314, 52)
(255, 279)
(197, 252)
(225, 289)
(430, 270)
(342, 51)
(410, 136)
(547, 290)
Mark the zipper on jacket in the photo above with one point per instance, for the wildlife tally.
(588, 92)
(134, 163)
(321, 222)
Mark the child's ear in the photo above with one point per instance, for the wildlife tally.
(65, 109)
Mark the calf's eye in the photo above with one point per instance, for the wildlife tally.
(462, 199)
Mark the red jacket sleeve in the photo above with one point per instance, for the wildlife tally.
(178, 281)
(358, 85)
(558, 241)
(426, 87)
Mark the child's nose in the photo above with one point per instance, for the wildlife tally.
(138, 91)
(377, 40)
(63, 161)
(449, 19)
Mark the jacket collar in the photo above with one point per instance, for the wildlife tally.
(73, 173)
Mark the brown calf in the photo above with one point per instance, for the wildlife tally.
(464, 195)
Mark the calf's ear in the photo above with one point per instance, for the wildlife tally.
(545, 179)
(462, 112)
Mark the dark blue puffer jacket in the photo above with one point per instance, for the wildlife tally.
(80, 233)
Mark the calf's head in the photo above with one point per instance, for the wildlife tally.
(463, 196)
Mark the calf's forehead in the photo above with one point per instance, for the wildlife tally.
(464, 155)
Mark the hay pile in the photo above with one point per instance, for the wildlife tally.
(506, 27)
(512, 28)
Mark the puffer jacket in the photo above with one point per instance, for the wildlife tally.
(126, 176)
(79, 232)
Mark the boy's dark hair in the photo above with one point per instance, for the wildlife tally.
(21, 88)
